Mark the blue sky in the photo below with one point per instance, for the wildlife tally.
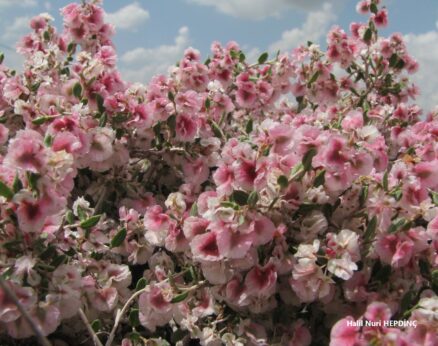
(152, 34)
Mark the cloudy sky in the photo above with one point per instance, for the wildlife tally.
(152, 34)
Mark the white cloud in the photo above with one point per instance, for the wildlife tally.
(21, 3)
(140, 64)
(424, 48)
(13, 31)
(258, 9)
(313, 29)
(129, 17)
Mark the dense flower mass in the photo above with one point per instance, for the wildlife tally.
(281, 202)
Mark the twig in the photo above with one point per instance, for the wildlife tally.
(36, 329)
(89, 328)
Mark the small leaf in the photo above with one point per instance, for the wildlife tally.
(141, 283)
(371, 229)
(102, 120)
(240, 197)
(393, 60)
(368, 35)
(283, 181)
(69, 217)
(194, 209)
(179, 298)
(48, 140)
(385, 183)
(46, 36)
(17, 185)
(99, 102)
(313, 78)
(96, 325)
(319, 179)
(249, 126)
(399, 224)
(217, 130)
(207, 103)
(134, 319)
(2, 57)
(42, 120)
(253, 198)
(90, 222)
(242, 57)
(77, 90)
(263, 58)
(434, 197)
(363, 195)
(119, 238)
(408, 300)
(373, 8)
(307, 159)
(171, 96)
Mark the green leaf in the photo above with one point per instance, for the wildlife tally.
(253, 198)
(263, 58)
(171, 96)
(240, 197)
(242, 57)
(217, 130)
(363, 195)
(48, 140)
(319, 179)
(435, 281)
(90, 222)
(399, 225)
(313, 78)
(119, 238)
(69, 217)
(207, 103)
(194, 209)
(141, 283)
(32, 180)
(46, 36)
(42, 120)
(102, 120)
(393, 60)
(134, 319)
(434, 196)
(229, 204)
(179, 298)
(17, 185)
(371, 229)
(77, 90)
(424, 267)
(408, 300)
(385, 181)
(99, 102)
(96, 325)
(283, 181)
(2, 57)
(373, 8)
(307, 159)
(249, 126)
(368, 35)
(71, 47)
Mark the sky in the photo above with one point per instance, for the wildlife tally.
(151, 35)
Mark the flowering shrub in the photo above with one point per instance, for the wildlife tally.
(270, 203)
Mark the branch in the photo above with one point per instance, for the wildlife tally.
(36, 329)
(89, 328)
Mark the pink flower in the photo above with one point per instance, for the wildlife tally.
(194, 226)
(196, 172)
(344, 333)
(396, 250)
(261, 281)
(232, 244)
(155, 308)
(8, 310)
(104, 299)
(381, 18)
(186, 128)
(26, 151)
(205, 247)
(263, 229)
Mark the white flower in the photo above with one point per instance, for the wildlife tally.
(342, 267)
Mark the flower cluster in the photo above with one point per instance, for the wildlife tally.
(231, 202)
